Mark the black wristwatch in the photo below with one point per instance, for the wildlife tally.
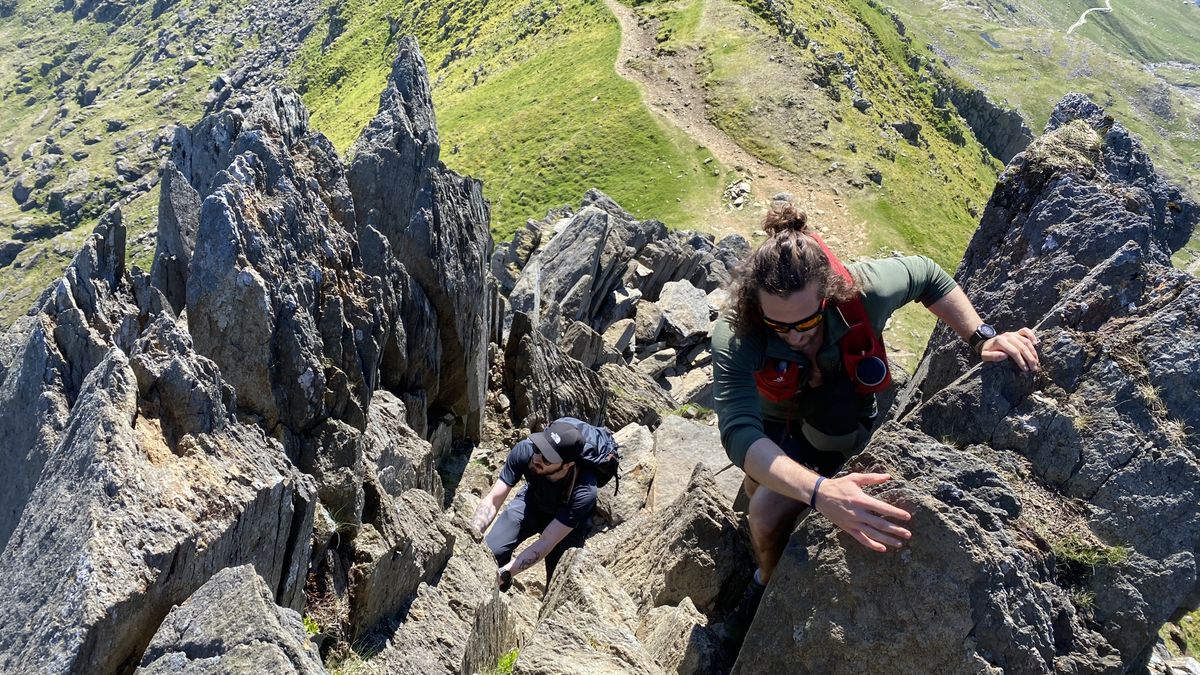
(981, 335)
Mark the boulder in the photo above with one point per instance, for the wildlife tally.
(457, 623)
(685, 313)
(694, 386)
(546, 384)
(232, 625)
(649, 322)
(615, 505)
(694, 548)
(587, 624)
(619, 336)
(400, 458)
(680, 640)
(632, 397)
(400, 547)
(583, 344)
(656, 363)
(680, 445)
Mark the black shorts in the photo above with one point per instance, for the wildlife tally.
(833, 411)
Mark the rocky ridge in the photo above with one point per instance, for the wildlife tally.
(278, 416)
(275, 399)
(1055, 514)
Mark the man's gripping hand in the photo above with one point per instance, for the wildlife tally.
(862, 516)
(1020, 346)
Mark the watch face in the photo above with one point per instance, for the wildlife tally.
(987, 332)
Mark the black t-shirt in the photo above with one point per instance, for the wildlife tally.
(549, 496)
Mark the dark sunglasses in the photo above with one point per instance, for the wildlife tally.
(802, 326)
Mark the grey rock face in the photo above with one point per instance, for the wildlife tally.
(547, 384)
(275, 291)
(403, 547)
(1003, 132)
(48, 355)
(633, 397)
(1068, 202)
(693, 549)
(178, 222)
(437, 224)
(133, 512)
(638, 466)
(232, 625)
(587, 624)
(680, 445)
(685, 313)
(679, 639)
(457, 623)
(1040, 503)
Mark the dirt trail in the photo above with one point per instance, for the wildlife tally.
(1083, 17)
(673, 89)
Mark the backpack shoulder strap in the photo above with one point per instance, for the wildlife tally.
(863, 352)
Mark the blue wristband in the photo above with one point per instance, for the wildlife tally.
(816, 486)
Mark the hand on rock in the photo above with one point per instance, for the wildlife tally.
(1020, 346)
(863, 517)
(503, 579)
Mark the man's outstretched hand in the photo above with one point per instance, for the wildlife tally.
(1020, 346)
(864, 517)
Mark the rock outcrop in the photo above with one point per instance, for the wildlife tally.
(259, 431)
(1055, 514)
(151, 486)
(437, 224)
(694, 548)
(232, 625)
(612, 296)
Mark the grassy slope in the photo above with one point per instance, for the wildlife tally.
(1106, 58)
(930, 196)
(527, 100)
(119, 63)
(924, 203)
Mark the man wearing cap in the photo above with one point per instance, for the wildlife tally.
(556, 502)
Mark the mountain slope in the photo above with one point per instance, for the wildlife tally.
(527, 100)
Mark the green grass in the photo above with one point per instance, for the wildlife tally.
(931, 196)
(1184, 635)
(504, 665)
(692, 410)
(1078, 554)
(311, 627)
(57, 53)
(1037, 64)
(532, 106)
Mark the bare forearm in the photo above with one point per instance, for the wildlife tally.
(484, 515)
(767, 464)
(956, 310)
(528, 558)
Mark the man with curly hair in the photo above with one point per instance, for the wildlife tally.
(791, 410)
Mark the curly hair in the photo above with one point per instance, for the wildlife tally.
(788, 261)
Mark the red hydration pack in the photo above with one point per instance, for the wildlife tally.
(863, 353)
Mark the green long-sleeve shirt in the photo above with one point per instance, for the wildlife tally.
(887, 285)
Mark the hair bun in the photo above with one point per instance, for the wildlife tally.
(784, 216)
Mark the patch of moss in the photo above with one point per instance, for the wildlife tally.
(504, 665)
